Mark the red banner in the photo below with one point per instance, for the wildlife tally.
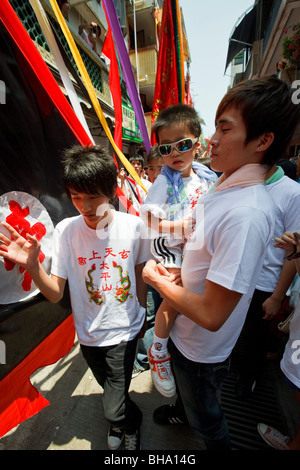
(43, 124)
(166, 86)
(19, 399)
(114, 85)
(45, 101)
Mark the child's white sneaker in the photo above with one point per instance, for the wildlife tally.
(161, 374)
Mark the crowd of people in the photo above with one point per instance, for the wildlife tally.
(172, 289)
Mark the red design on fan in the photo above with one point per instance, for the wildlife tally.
(17, 220)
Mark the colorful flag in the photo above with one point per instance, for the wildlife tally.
(176, 13)
(167, 80)
(127, 72)
(36, 124)
(114, 85)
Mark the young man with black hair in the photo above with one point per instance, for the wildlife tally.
(101, 253)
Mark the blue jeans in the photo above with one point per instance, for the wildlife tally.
(153, 302)
(112, 368)
(197, 386)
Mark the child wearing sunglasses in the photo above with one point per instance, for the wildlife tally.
(168, 210)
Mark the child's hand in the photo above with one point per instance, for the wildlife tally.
(188, 226)
(288, 241)
(185, 226)
(23, 252)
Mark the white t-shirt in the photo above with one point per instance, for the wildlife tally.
(100, 268)
(157, 200)
(286, 194)
(227, 248)
(290, 363)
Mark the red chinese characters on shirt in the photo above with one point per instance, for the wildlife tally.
(104, 266)
(18, 221)
(194, 198)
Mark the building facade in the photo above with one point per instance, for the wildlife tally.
(140, 21)
(257, 40)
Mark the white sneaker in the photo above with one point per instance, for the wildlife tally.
(161, 374)
(273, 437)
(115, 437)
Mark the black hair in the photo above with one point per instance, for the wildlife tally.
(90, 170)
(178, 114)
(153, 154)
(137, 158)
(266, 105)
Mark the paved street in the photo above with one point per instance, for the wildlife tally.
(74, 420)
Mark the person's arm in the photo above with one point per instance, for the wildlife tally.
(141, 286)
(25, 253)
(272, 305)
(122, 176)
(290, 242)
(85, 26)
(182, 227)
(141, 292)
(297, 263)
(209, 310)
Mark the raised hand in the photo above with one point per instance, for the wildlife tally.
(288, 241)
(24, 252)
(184, 227)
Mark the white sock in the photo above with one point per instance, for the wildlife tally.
(159, 346)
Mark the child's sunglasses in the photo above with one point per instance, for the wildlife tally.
(182, 145)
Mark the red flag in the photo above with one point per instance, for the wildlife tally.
(19, 399)
(166, 86)
(114, 84)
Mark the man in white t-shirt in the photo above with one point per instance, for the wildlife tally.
(275, 278)
(290, 361)
(101, 253)
(223, 258)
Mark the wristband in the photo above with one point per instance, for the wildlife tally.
(296, 234)
(294, 255)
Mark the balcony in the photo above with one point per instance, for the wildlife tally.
(96, 69)
(147, 64)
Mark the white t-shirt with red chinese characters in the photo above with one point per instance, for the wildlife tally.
(100, 268)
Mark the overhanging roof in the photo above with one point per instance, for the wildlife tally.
(243, 34)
